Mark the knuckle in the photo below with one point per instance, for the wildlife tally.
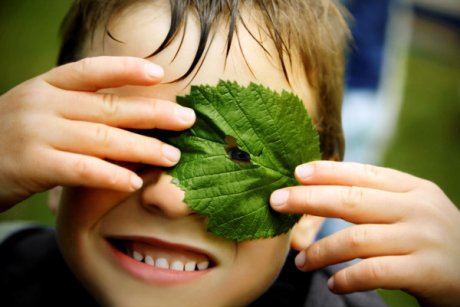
(102, 135)
(429, 235)
(357, 237)
(126, 65)
(82, 169)
(83, 65)
(314, 254)
(89, 171)
(30, 95)
(371, 171)
(350, 279)
(153, 111)
(154, 108)
(344, 278)
(82, 69)
(334, 169)
(115, 178)
(377, 270)
(431, 198)
(352, 197)
(307, 196)
(110, 103)
(139, 146)
(431, 186)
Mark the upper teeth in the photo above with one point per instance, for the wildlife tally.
(175, 265)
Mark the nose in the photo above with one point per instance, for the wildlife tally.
(160, 196)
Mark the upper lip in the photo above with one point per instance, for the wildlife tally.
(166, 244)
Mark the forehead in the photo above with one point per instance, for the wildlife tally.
(140, 29)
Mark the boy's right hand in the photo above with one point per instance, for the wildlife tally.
(57, 129)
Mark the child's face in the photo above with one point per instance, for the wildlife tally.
(99, 230)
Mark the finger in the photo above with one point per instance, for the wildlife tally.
(112, 143)
(93, 74)
(355, 174)
(351, 203)
(390, 272)
(126, 112)
(361, 241)
(80, 170)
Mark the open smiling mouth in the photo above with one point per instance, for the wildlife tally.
(162, 256)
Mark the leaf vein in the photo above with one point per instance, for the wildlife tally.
(240, 193)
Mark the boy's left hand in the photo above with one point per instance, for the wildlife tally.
(407, 231)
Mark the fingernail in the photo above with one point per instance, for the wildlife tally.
(171, 153)
(304, 171)
(331, 283)
(300, 260)
(186, 115)
(279, 197)
(136, 182)
(153, 70)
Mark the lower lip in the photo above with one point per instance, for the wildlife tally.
(152, 274)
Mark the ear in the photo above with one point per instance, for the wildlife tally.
(305, 231)
(54, 196)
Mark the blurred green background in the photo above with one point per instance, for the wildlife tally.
(426, 141)
(29, 44)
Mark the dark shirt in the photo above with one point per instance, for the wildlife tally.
(33, 273)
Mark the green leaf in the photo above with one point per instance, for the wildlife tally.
(245, 144)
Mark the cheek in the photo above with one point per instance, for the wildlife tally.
(265, 255)
(81, 208)
(79, 212)
(257, 265)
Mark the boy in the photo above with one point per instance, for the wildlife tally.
(133, 246)
(145, 247)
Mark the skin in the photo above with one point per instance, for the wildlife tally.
(157, 210)
(88, 103)
(28, 109)
(406, 230)
(417, 223)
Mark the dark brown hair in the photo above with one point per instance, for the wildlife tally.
(313, 30)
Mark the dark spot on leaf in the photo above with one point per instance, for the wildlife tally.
(234, 152)
(239, 155)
